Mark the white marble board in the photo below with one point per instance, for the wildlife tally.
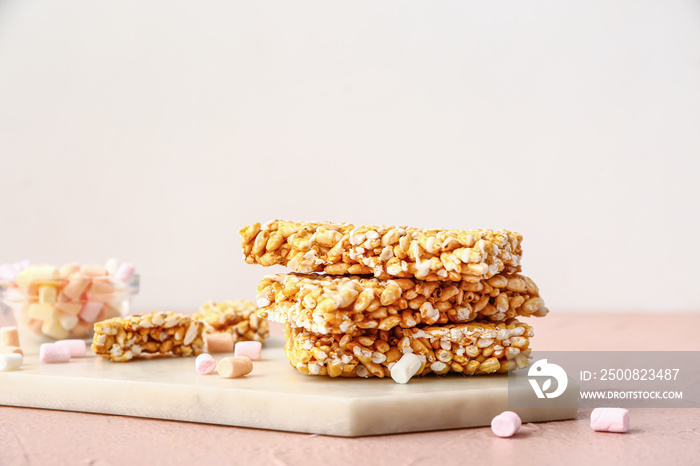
(274, 396)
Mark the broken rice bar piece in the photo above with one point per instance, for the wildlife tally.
(237, 317)
(331, 304)
(474, 348)
(122, 339)
(383, 251)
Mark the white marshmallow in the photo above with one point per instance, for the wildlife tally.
(112, 265)
(10, 362)
(406, 367)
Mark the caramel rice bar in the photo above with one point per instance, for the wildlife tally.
(330, 304)
(237, 317)
(473, 348)
(122, 339)
(383, 251)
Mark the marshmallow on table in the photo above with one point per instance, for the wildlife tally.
(51, 352)
(221, 342)
(10, 362)
(610, 420)
(205, 364)
(76, 348)
(406, 367)
(229, 368)
(9, 336)
(250, 349)
(506, 424)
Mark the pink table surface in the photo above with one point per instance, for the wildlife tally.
(657, 436)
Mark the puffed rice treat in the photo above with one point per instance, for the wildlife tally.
(473, 348)
(237, 317)
(347, 304)
(382, 251)
(122, 339)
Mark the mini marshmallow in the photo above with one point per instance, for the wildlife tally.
(53, 329)
(9, 336)
(47, 294)
(51, 353)
(230, 368)
(41, 311)
(93, 270)
(406, 367)
(68, 269)
(43, 272)
(205, 364)
(250, 349)
(21, 265)
(125, 270)
(72, 309)
(67, 321)
(35, 326)
(82, 329)
(221, 342)
(7, 272)
(76, 348)
(75, 287)
(610, 420)
(10, 362)
(506, 424)
(101, 286)
(112, 265)
(90, 311)
(11, 350)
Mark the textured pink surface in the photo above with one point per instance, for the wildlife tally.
(657, 436)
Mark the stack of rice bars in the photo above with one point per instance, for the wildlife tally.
(449, 296)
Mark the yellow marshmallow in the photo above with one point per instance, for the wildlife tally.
(40, 311)
(47, 294)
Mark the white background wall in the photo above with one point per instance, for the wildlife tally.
(154, 130)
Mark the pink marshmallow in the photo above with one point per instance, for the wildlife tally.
(51, 352)
(506, 424)
(610, 420)
(125, 270)
(249, 349)
(76, 348)
(7, 272)
(205, 364)
(90, 311)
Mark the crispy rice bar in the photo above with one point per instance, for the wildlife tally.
(237, 317)
(474, 348)
(331, 304)
(122, 339)
(383, 251)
